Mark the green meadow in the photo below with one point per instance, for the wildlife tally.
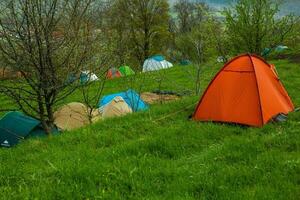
(160, 153)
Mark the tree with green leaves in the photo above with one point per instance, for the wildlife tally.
(253, 25)
(147, 25)
(189, 14)
(198, 46)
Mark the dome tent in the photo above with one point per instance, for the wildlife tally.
(245, 91)
(185, 62)
(281, 48)
(116, 107)
(87, 76)
(113, 73)
(16, 126)
(72, 116)
(154, 63)
(126, 71)
(133, 100)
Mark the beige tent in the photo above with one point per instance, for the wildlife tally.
(117, 107)
(73, 115)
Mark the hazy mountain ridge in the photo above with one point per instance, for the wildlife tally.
(288, 7)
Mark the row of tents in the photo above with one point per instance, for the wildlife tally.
(113, 72)
(153, 63)
(246, 91)
(68, 117)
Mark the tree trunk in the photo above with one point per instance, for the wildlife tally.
(147, 43)
(198, 80)
(45, 125)
(50, 121)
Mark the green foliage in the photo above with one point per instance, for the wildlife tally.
(254, 25)
(189, 14)
(198, 44)
(140, 29)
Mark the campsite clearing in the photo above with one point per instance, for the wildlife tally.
(146, 156)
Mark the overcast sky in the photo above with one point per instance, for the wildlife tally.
(289, 6)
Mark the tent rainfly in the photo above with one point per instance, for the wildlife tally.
(16, 126)
(156, 63)
(185, 62)
(113, 73)
(246, 91)
(133, 100)
(87, 76)
(126, 71)
(115, 108)
(73, 115)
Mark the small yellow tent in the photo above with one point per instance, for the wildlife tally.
(116, 107)
(73, 115)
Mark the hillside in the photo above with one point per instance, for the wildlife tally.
(160, 154)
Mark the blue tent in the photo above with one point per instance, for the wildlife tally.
(158, 58)
(130, 97)
(84, 78)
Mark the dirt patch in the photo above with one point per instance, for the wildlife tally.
(6, 73)
(152, 98)
(295, 58)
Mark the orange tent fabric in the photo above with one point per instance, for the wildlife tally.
(113, 73)
(246, 91)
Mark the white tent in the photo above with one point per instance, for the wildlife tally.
(221, 59)
(88, 76)
(156, 63)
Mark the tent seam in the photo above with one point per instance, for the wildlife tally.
(258, 91)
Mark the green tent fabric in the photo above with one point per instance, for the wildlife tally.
(266, 52)
(15, 126)
(126, 71)
(185, 62)
(281, 48)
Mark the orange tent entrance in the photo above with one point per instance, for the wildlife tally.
(246, 91)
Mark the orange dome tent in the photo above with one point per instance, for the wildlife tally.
(113, 73)
(246, 91)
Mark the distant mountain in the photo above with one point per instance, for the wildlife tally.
(288, 7)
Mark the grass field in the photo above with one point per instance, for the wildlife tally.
(160, 154)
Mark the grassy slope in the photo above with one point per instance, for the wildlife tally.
(140, 157)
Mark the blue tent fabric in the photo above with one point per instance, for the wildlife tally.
(158, 58)
(84, 77)
(130, 97)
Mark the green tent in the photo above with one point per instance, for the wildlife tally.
(15, 126)
(126, 71)
(185, 62)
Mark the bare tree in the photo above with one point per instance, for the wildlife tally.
(45, 42)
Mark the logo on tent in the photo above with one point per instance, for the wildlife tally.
(5, 144)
